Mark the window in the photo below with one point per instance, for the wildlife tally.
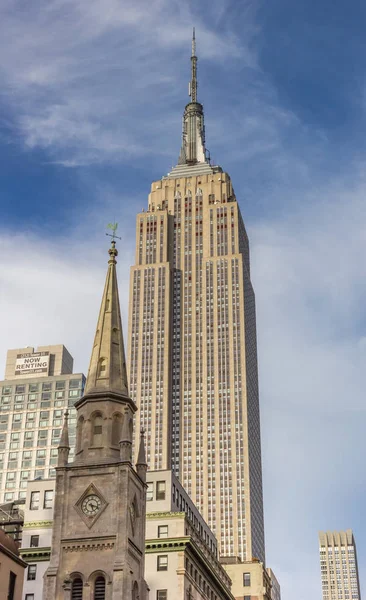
(11, 588)
(34, 501)
(34, 541)
(162, 595)
(60, 385)
(48, 499)
(162, 562)
(33, 387)
(29, 597)
(77, 589)
(32, 570)
(246, 579)
(150, 492)
(99, 588)
(160, 490)
(46, 387)
(162, 531)
(247, 597)
(97, 430)
(74, 383)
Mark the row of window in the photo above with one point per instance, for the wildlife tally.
(36, 499)
(46, 387)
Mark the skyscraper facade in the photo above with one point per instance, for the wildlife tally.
(338, 565)
(38, 386)
(192, 341)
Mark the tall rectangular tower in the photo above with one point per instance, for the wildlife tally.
(192, 342)
(338, 565)
(38, 387)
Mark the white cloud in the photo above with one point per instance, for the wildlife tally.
(310, 284)
(81, 74)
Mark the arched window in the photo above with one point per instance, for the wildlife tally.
(99, 588)
(97, 430)
(135, 591)
(77, 589)
(79, 439)
(116, 429)
(102, 367)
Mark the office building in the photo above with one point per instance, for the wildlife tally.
(181, 560)
(192, 342)
(37, 535)
(275, 586)
(250, 579)
(338, 565)
(38, 387)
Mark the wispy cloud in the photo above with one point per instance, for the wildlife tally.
(81, 74)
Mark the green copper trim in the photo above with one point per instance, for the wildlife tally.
(35, 554)
(166, 545)
(38, 525)
(166, 515)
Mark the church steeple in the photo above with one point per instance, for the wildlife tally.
(107, 369)
(100, 499)
(105, 410)
(193, 150)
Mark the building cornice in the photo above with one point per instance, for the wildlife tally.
(38, 525)
(35, 554)
(153, 546)
(165, 515)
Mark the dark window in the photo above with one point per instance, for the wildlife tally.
(34, 541)
(29, 597)
(247, 597)
(246, 579)
(11, 589)
(32, 570)
(60, 385)
(74, 383)
(162, 563)
(99, 588)
(77, 589)
(162, 595)
(160, 490)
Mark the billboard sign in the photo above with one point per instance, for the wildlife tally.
(36, 363)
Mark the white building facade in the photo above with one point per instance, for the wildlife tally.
(38, 386)
(338, 565)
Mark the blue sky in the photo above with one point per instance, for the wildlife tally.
(90, 114)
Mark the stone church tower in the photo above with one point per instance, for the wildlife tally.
(99, 521)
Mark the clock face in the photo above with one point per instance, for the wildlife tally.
(91, 505)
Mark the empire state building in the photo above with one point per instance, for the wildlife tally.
(192, 341)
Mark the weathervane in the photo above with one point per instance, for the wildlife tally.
(113, 227)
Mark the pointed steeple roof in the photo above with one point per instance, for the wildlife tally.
(107, 370)
(64, 441)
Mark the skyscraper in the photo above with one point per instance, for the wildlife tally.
(338, 565)
(38, 386)
(192, 341)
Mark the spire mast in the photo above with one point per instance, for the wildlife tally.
(193, 83)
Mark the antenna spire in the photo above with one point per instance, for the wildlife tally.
(193, 82)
